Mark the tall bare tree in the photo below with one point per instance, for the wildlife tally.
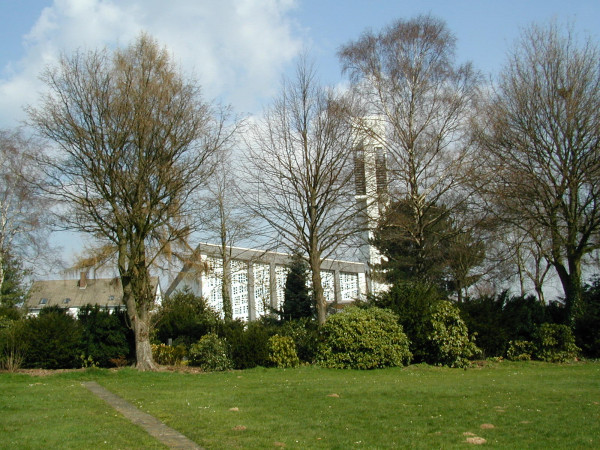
(227, 220)
(301, 166)
(24, 217)
(543, 136)
(135, 141)
(416, 104)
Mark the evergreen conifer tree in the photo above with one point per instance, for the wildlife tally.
(297, 301)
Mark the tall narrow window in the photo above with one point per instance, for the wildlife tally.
(380, 170)
(359, 170)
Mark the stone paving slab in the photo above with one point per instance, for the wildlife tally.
(153, 426)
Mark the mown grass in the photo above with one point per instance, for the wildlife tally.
(530, 405)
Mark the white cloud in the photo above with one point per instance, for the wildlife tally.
(236, 49)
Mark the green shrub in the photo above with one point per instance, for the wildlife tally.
(106, 335)
(282, 351)
(521, 316)
(184, 318)
(305, 333)
(412, 302)
(483, 317)
(169, 355)
(587, 325)
(54, 340)
(520, 350)
(248, 343)
(448, 337)
(210, 354)
(13, 347)
(555, 343)
(363, 339)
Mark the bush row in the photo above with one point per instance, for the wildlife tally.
(411, 323)
(56, 340)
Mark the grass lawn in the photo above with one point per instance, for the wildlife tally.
(519, 405)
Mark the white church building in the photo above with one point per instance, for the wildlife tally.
(258, 277)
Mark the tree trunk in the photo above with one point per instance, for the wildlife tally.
(1, 272)
(143, 349)
(226, 282)
(137, 296)
(571, 283)
(317, 285)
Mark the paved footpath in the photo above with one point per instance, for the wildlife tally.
(151, 424)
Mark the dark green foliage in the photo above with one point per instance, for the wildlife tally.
(504, 318)
(587, 325)
(12, 345)
(210, 353)
(10, 313)
(408, 258)
(483, 317)
(522, 316)
(430, 248)
(13, 290)
(436, 332)
(555, 343)
(54, 340)
(411, 302)
(105, 336)
(184, 318)
(248, 343)
(305, 333)
(297, 301)
(358, 338)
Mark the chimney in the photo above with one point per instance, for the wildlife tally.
(82, 280)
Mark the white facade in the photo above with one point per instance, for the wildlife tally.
(258, 280)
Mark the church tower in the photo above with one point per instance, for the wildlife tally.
(371, 184)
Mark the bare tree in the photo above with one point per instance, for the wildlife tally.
(416, 104)
(24, 217)
(135, 142)
(301, 169)
(227, 220)
(526, 251)
(543, 135)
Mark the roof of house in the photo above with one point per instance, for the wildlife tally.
(105, 292)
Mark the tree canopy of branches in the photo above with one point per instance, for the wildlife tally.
(135, 141)
(301, 164)
(416, 103)
(24, 224)
(543, 135)
(227, 220)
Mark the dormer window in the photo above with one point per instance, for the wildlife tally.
(43, 301)
(111, 298)
(66, 300)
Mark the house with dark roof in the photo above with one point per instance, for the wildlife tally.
(74, 294)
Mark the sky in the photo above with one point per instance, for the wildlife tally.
(239, 50)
